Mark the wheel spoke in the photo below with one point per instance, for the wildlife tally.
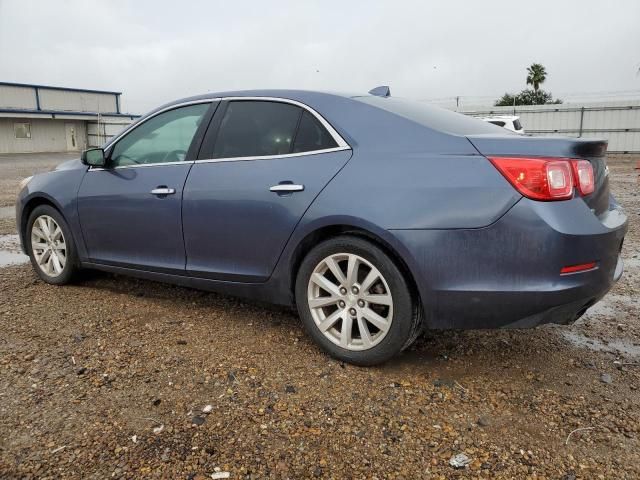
(49, 264)
(62, 255)
(57, 234)
(367, 341)
(372, 317)
(37, 231)
(345, 333)
(46, 255)
(57, 266)
(324, 283)
(352, 270)
(330, 321)
(38, 245)
(336, 270)
(369, 280)
(381, 299)
(44, 226)
(323, 301)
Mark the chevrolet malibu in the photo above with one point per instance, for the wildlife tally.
(375, 217)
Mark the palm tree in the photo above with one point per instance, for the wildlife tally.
(536, 75)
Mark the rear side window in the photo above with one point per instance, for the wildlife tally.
(497, 122)
(432, 117)
(312, 135)
(517, 125)
(256, 128)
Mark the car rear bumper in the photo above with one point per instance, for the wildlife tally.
(508, 274)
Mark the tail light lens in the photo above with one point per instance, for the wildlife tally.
(547, 178)
(537, 178)
(583, 173)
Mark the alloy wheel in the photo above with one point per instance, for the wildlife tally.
(48, 245)
(350, 301)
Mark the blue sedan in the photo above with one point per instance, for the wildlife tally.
(376, 217)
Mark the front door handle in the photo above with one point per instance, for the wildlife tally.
(163, 191)
(287, 188)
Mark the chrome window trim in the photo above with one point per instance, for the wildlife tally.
(332, 131)
(272, 157)
(141, 165)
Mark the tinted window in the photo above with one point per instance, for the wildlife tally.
(164, 138)
(497, 122)
(432, 117)
(312, 135)
(256, 128)
(517, 125)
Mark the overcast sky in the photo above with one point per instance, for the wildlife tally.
(155, 51)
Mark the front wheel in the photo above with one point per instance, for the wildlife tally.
(355, 302)
(50, 245)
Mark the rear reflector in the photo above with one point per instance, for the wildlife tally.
(538, 178)
(578, 268)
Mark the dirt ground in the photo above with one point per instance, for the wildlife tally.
(109, 378)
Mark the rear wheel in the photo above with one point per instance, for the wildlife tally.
(50, 245)
(355, 302)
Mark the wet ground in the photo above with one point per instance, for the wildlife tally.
(109, 378)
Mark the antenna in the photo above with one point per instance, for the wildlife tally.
(382, 91)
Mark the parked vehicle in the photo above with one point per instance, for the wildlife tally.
(376, 217)
(510, 122)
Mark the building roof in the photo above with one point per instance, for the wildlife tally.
(50, 87)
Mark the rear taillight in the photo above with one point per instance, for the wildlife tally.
(546, 178)
(537, 178)
(583, 173)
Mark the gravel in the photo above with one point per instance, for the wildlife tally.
(106, 377)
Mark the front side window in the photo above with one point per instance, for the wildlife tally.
(22, 130)
(312, 135)
(256, 129)
(164, 138)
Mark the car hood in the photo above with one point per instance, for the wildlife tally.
(70, 165)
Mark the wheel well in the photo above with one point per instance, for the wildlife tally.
(30, 207)
(322, 234)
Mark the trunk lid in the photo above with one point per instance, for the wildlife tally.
(593, 150)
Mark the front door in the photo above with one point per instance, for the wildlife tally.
(268, 163)
(72, 137)
(130, 212)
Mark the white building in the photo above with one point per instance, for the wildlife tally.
(38, 118)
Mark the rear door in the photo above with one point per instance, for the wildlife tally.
(261, 165)
(131, 211)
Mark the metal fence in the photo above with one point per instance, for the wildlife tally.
(617, 122)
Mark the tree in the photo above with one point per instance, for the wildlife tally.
(526, 97)
(536, 75)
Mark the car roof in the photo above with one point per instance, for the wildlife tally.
(298, 95)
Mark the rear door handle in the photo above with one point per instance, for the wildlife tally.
(287, 188)
(163, 191)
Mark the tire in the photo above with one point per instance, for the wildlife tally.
(47, 227)
(327, 311)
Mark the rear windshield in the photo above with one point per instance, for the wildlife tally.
(432, 117)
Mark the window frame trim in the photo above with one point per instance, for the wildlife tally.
(342, 144)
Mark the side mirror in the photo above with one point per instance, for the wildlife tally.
(94, 157)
